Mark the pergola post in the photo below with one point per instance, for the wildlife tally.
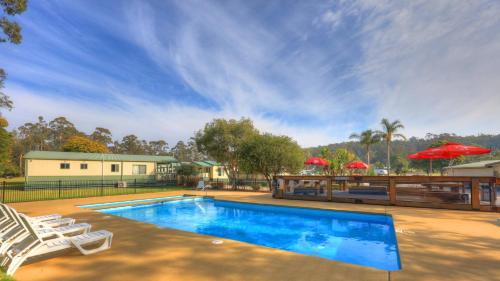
(475, 194)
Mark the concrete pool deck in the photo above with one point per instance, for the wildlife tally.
(433, 244)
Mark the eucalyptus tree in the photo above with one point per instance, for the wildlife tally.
(61, 130)
(158, 147)
(130, 144)
(102, 135)
(388, 133)
(367, 139)
(10, 31)
(271, 155)
(222, 139)
(180, 152)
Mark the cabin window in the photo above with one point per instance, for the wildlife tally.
(139, 169)
(219, 172)
(115, 168)
(83, 166)
(64, 166)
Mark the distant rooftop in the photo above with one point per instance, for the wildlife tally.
(480, 164)
(59, 155)
(206, 163)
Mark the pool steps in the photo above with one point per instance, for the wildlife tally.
(149, 202)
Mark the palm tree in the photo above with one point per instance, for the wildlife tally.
(367, 139)
(388, 133)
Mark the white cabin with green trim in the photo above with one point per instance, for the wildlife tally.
(56, 165)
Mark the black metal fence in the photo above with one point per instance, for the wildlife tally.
(64, 189)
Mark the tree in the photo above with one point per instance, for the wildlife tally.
(193, 153)
(11, 29)
(388, 133)
(378, 165)
(5, 148)
(221, 140)
(5, 101)
(60, 131)
(328, 155)
(84, 144)
(180, 152)
(102, 135)
(340, 159)
(367, 139)
(130, 144)
(11, 33)
(35, 136)
(270, 156)
(159, 147)
(400, 164)
(186, 170)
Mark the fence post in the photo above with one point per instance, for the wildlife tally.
(135, 185)
(329, 191)
(59, 189)
(392, 191)
(3, 192)
(102, 186)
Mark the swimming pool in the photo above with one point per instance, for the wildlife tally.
(363, 239)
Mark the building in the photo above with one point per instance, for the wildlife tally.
(490, 168)
(210, 170)
(55, 165)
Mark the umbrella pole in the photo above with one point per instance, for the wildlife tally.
(430, 167)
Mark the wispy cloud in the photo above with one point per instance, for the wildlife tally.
(316, 71)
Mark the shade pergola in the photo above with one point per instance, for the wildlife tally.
(448, 151)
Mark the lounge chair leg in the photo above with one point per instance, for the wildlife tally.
(105, 245)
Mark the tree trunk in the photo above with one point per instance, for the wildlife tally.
(388, 158)
(270, 183)
(368, 156)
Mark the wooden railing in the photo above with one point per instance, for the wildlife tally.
(463, 193)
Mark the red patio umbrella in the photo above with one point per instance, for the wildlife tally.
(356, 165)
(316, 161)
(448, 151)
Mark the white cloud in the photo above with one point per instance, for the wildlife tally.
(434, 65)
(333, 19)
(431, 64)
(169, 121)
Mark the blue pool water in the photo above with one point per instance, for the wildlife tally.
(363, 239)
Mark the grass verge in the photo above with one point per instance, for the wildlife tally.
(41, 194)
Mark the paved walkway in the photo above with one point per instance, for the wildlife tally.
(434, 245)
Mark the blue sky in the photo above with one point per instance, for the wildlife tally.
(314, 70)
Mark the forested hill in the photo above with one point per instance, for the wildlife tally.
(403, 148)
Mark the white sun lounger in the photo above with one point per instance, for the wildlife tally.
(53, 220)
(46, 217)
(54, 223)
(45, 231)
(33, 245)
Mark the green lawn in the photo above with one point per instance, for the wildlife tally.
(16, 179)
(5, 277)
(12, 196)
